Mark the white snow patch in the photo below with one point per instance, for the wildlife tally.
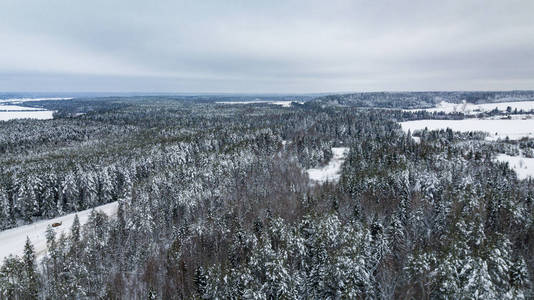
(497, 129)
(330, 172)
(523, 166)
(30, 114)
(13, 240)
(469, 108)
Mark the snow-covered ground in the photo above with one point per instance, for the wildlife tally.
(30, 114)
(281, 103)
(12, 240)
(331, 171)
(498, 129)
(523, 166)
(469, 108)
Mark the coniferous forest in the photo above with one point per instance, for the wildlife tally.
(214, 201)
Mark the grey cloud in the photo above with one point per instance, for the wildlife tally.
(265, 46)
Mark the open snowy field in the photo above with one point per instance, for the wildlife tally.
(30, 114)
(12, 240)
(330, 172)
(498, 129)
(523, 166)
(9, 111)
(469, 108)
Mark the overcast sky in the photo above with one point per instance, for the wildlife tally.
(265, 46)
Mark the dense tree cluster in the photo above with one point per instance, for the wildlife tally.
(420, 99)
(214, 202)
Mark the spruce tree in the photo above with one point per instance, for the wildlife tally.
(31, 277)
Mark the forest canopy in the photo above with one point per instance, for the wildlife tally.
(214, 201)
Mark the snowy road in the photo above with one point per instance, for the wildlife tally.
(330, 172)
(13, 240)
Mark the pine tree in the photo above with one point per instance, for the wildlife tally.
(31, 277)
(75, 229)
(27, 203)
(70, 192)
(11, 277)
(51, 261)
(201, 281)
(4, 211)
(519, 279)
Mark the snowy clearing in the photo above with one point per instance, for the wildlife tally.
(330, 172)
(8, 111)
(497, 129)
(13, 240)
(469, 108)
(281, 103)
(30, 114)
(523, 166)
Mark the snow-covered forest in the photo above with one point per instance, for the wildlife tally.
(325, 198)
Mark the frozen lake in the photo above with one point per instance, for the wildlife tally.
(10, 111)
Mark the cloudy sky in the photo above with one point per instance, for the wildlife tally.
(265, 46)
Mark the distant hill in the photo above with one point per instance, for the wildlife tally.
(407, 100)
